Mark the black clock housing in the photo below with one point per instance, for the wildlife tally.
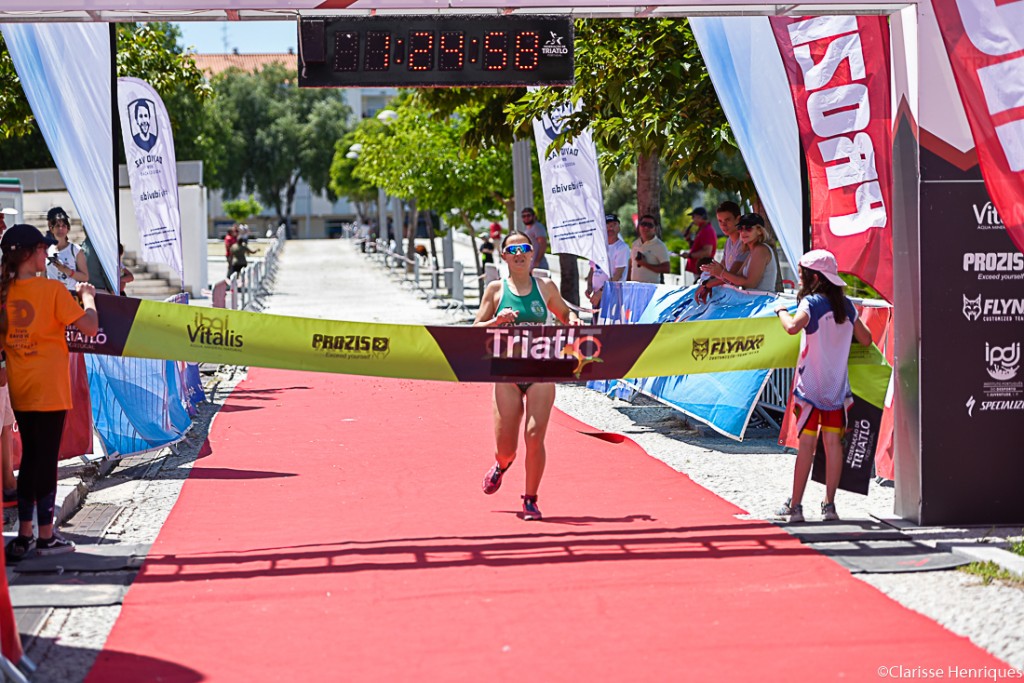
(435, 51)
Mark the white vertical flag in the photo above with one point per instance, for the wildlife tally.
(573, 201)
(152, 173)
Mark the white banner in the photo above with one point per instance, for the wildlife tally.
(573, 201)
(70, 99)
(152, 174)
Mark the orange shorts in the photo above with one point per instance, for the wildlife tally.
(828, 420)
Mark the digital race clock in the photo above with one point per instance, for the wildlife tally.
(439, 51)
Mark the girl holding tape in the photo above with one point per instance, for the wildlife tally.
(34, 313)
(822, 391)
(521, 299)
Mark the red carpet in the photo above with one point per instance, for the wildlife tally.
(336, 532)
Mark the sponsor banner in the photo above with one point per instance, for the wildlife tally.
(985, 43)
(573, 202)
(149, 329)
(622, 303)
(838, 68)
(859, 443)
(152, 172)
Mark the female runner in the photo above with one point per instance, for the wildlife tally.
(521, 299)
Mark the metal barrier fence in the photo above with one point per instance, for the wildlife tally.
(242, 290)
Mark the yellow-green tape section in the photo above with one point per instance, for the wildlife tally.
(215, 335)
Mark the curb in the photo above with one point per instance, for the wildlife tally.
(981, 552)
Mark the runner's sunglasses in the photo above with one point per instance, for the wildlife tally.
(517, 249)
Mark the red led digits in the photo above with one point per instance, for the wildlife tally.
(378, 51)
(474, 50)
(421, 50)
(346, 52)
(526, 56)
(451, 53)
(495, 50)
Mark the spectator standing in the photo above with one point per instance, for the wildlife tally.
(822, 391)
(759, 270)
(67, 262)
(733, 254)
(40, 380)
(230, 240)
(486, 249)
(648, 257)
(538, 234)
(618, 262)
(521, 299)
(125, 276)
(10, 484)
(703, 241)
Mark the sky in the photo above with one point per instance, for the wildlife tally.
(219, 37)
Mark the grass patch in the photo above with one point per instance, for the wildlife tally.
(1018, 547)
(990, 571)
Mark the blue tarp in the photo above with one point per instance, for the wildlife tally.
(723, 400)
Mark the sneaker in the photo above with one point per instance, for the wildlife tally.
(828, 512)
(790, 513)
(55, 545)
(17, 549)
(530, 510)
(492, 480)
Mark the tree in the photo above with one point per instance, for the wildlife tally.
(344, 183)
(280, 133)
(150, 52)
(420, 156)
(240, 210)
(647, 96)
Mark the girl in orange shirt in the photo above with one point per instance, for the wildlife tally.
(34, 313)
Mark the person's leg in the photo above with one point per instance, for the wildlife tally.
(7, 454)
(539, 400)
(29, 428)
(508, 414)
(833, 462)
(44, 462)
(802, 469)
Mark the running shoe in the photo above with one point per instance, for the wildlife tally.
(790, 513)
(828, 512)
(492, 480)
(530, 510)
(18, 548)
(55, 545)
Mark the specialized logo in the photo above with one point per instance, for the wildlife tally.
(352, 345)
(213, 331)
(987, 217)
(993, 310)
(970, 407)
(554, 47)
(1002, 361)
(537, 343)
(723, 348)
(142, 119)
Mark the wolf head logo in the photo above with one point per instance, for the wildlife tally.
(972, 307)
(700, 349)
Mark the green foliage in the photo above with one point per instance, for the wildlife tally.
(15, 114)
(989, 572)
(239, 210)
(278, 133)
(645, 91)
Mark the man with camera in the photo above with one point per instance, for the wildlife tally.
(649, 258)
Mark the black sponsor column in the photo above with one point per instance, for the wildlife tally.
(971, 374)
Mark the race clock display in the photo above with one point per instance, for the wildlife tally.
(435, 51)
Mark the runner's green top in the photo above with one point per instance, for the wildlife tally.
(531, 308)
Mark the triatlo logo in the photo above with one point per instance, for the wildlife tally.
(554, 46)
(1002, 361)
(537, 343)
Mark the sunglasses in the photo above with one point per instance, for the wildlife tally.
(518, 249)
(647, 225)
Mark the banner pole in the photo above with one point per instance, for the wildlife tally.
(115, 131)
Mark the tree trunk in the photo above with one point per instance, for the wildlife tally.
(570, 285)
(410, 250)
(476, 253)
(648, 187)
(432, 233)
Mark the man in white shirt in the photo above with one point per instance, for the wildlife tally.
(618, 262)
(648, 257)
